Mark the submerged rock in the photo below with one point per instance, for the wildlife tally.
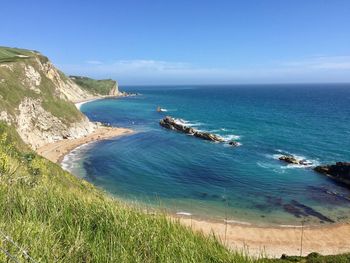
(302, 211)
(339, 171)
(171, 124)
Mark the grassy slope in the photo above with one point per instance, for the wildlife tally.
(102, 87)
(12, 91)
(58, 217)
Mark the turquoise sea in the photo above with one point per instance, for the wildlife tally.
(214, 181)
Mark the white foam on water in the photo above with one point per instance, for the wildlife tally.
(308, 162)
(230, 137)
(187, 123)
(183, 213)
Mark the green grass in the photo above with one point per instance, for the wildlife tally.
(102, 87)
(13, 54)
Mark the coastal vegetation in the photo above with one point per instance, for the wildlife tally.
(102, 87)
(26, 79)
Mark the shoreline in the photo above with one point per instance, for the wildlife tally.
(253, 239)
(273, 241)
(56, 151)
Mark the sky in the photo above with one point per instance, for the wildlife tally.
(186, 41)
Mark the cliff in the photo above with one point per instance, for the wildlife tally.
(37, 99)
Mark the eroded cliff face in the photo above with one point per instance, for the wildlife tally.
(37, 127)
(115, 90)
(38, 99)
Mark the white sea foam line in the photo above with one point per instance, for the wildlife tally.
(184, 213)
(230, 137)
(79, 104)
(70, 158)
(187, 123)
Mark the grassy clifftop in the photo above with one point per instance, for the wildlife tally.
(23, 75)
(103, 86)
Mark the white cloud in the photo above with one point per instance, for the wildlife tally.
(322, 62)
(147, 71)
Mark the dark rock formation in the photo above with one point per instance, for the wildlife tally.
(291, 159)
(339, 171)
(170, 123)
(233, 143)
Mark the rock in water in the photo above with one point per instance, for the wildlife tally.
(170, 123)
(289, 159)
(292, 160)
(233, 143)
(339, 171)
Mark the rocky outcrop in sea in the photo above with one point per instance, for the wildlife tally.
(172, 124)
(293, 160)
(339, 171)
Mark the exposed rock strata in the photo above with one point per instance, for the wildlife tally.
(37, 127)
(37, 82)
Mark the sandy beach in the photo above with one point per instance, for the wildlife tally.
(275, 241)
(57, 150)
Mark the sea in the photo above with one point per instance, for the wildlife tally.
(184, 175)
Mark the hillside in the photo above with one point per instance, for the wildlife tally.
(55, 216)
(97, 87)
(38, 99)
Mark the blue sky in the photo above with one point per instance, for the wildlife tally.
(187, 42)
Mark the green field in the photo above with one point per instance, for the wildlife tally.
(102, 87)
(13, 54)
